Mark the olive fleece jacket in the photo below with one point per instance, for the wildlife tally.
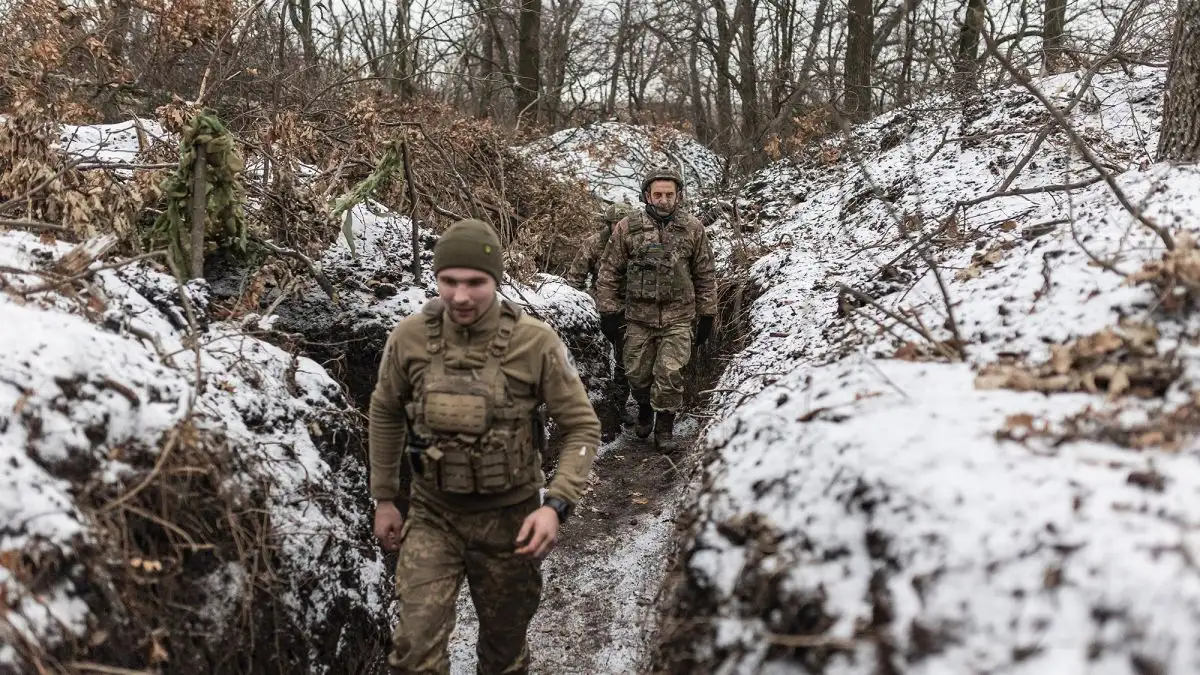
(536, 366)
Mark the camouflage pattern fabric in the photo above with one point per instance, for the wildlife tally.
(654, 363)
(657, 274)
(438, 550)
(587, 261)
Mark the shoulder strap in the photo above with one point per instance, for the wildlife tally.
(605, 234)
(635, 223)
(510, 314)
(435, 343)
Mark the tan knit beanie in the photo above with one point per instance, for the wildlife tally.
(472, 244)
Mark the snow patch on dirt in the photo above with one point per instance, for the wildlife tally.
(870, 507)
(612, 157)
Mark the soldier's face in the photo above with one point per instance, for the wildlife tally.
(663, 196)
(468, 293)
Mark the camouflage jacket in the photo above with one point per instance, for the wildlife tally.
(657, 274)
(587, 261)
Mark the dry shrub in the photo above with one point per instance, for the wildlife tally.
(1117, 361)
(460, 167)
(1176, 276)
(158, 560)
(38, 183)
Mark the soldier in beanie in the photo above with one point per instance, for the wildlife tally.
(455, 413)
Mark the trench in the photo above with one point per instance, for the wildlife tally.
(602, 586)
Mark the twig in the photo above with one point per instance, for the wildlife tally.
(810, 641)
(1079, 144)
(90, 166)
(89, 667)
(35, 225)
(1032, 191)
(959, 344)
(168, 448)
(863, 297)
(313, 267)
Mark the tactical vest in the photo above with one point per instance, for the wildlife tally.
(480, 438)
(651, 273)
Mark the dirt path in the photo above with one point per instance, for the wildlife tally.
(597, 614)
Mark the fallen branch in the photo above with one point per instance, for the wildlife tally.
(34, 225)
(313, 267)
(1041, 189)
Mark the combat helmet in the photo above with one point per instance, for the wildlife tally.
(614, 212)
(661, 173)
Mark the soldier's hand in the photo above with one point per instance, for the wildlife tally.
(388, 523)
(539, 533)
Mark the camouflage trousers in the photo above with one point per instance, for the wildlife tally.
(654, 363)
(437, 551)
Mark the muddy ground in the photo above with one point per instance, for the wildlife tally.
(599, 610)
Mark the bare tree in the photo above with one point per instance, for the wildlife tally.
(1053, 22)
(747, 16)
(966, 64)
(857, 74)
(1180, 137)
(528, 89)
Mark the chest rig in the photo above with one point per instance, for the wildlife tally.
(652, 275)
(479, 436)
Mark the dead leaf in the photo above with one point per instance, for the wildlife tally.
(1119, 383)
(1018, 421)
(158, 653)
(19, 406)
(1008, 225)
(641, 500)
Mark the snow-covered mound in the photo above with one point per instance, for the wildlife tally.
(376, 289)
(873, 506)
(612, 158)
(100, 397)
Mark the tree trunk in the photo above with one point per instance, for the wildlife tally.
(487, 72)
(529, 84)
(300, 12)
(610, 105)
(724, 83)
(859, 33)
(1180, 136)
(910, 46)
(967, 63)
(1054, 19)
(700, 118)
(748, 71)
(406, 68)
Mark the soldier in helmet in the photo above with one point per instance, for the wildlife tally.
(454, 414)
(586, 265)
(656, 278)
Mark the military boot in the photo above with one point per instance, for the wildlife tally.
(664, 431)
(645, 420)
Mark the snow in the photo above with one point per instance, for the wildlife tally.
(109, 143)
(80, 394)
(91, 380)
(860, 497)
(612, 158)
